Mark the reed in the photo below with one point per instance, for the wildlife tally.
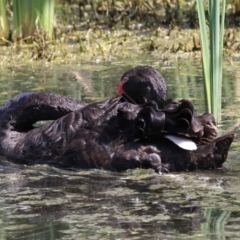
(212, 52)
(29, 14)
(4, 27)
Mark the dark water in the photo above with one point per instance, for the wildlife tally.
(40, 202)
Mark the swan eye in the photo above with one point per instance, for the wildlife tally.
(141, 123)
(144, 99)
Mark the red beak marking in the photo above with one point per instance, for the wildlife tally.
(120, 86)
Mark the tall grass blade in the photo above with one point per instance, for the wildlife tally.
(4, 27)
(205, 54)
(28, 13)
(212, 52)
(221, 50)
(214, 49)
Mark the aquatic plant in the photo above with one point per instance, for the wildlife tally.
(30, 13)
(212, 52)
(4, 28)
(41, 46)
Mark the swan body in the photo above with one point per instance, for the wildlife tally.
(137, 128)
(113, 135)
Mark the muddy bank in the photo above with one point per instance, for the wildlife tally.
(106, 45)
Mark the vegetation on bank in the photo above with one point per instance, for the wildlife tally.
(103, 30)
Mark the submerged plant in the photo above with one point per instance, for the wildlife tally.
(212, 51)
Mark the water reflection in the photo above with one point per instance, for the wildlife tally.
(216, 220)
(46, 203)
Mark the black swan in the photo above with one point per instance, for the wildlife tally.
(120, 133)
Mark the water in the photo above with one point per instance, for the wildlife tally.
(41, 202)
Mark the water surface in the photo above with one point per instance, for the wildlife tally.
(41, 202)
